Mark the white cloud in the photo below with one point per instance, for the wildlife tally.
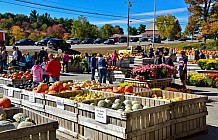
(177, 10)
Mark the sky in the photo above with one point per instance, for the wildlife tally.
(101, 12)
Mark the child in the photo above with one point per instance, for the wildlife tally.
(37, 72)
(45, 76)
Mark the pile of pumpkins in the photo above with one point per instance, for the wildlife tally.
(113, 68)
(57, 87)
(18, 75)
(119, 90)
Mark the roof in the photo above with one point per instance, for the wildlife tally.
(150, 27)
(149, 32)
(3, 31)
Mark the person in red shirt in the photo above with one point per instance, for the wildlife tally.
(53, 68)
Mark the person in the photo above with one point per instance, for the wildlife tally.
(158, 58)
(42, 53)
(4, 57)
(169, 60)
(59, 50)
(144, 53)
(162, 58)
(93, 66)
(114, 58)
(14, 56)
(151, 53)
(87, 58)
(28, 59)
(197, 54)
(53, 68)
(19, 54)
(45, 75)
(183, 68)
(102, 69)
(14, 40)
(202, 55)
(66, 59)
(37, 72)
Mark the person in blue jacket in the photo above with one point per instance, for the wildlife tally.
(93, 66)
(183, 68)
(28, 59)
(102, 69)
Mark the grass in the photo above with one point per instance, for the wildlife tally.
(99, 50)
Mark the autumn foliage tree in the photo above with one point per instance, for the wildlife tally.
(56, 31)
(17, 32)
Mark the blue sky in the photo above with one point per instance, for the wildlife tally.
(141, 11)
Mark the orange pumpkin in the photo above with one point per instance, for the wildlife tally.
(68, 91)
(121, 89)
(76, 88)
(5, 102)
(53, 87)
(66, 86)
(52, 92)
(43, 86)
(59, 85)
(103, 89)
(128, 89)
(109, 90)
(46, 92)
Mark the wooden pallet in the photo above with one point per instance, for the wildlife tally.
(45, 128)
(150, 123)
(149, 83)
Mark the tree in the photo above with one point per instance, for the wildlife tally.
(141, 28)
(117, 30)
(33, 16)
(168, 26)
(56, 31)
(37, 35)
(17, 32)
(133, 30)
(200, 11)
(192, 27)
(107, 31)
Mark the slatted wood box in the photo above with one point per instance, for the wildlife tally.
(1, 88)
(45, 128)
(14, 82)
(150, 123)
(14, 94)
(35, 101)
(149, 83)
(67, 113)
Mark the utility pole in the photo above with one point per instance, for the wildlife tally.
(154, 22)
(129, 5)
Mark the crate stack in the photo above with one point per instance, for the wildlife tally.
(143, 61)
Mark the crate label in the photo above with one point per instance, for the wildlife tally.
(101, 115)
(31, 97)
(60, 103)
(10, 92)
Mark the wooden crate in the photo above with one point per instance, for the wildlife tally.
(1, 88)
(13, 94)
(14, 82)
(45, 128)
(149, 83)
(61, 108)
(150, 123)
(35, 101)
(135, 90)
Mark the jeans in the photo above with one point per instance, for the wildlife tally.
(54, 79)
(45, 78)
(65, 63)
(102, 75)
(114, 62)
(93, 74)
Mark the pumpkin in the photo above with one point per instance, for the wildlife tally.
(66, 86)
(76, 88)
(53, 87)
(128, 89)
(46, 92)
(10, 68)
(109, 90)
(115, 88)
(52, 92)
(59, 85)
(5, 102)
(103, 90)
(68, 90)
(43, 86)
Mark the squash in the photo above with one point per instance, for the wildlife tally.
(76, 88)
(128, 89)
(3, 114)
(5, 102)
(52, 92)
(53, 87)
(59, 85)
(66, 86)
(43, 86)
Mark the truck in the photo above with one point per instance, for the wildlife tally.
(131, 50)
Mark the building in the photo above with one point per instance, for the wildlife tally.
(149, 31)
(2, 35)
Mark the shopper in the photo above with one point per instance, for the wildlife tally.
(14, 56)
(144, 53)
(93, 66)
(169, 60)
(87, 58)
(37, 72)
(102, 69)
(19, 55)
(53, 68)
(197, 54)
(183, 68)
(29, 60)
(42, 54)
(45, 76)
(66, 59)
(4, 57)
(114, 58)
(202, 55)
(158, 58)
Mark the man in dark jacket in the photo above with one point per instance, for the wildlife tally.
(42, 54)
(170, 60)
(102, 69)
(93, 66)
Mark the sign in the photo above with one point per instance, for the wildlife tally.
(31, 97)
(60, 103)
(101, 114)
(10, 92)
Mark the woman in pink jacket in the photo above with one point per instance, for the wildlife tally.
(37, 72)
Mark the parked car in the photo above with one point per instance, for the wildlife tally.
(123, 40)
(99, 41)
(181, 39)
(134, 39)
(156, 40)
(109, 42)
(144, 39)
(72, 41)
(55, 43)
(25, 41)
(88, 41)
(170, 39)
(42, 42)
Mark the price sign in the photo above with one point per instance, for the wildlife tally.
(10, 92)
(60, 103)
(31, 97)
(101, 115)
